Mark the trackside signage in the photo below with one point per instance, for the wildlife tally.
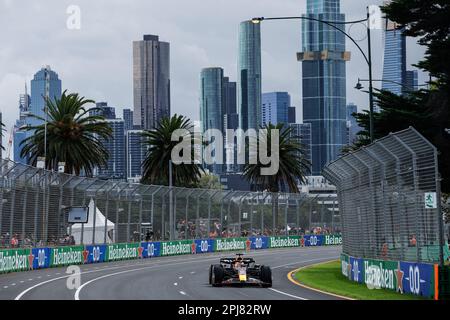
(284, 242)
(123, 251)
(333, 239)
(12, 260)
(403, 277)
(67, 255)
(174, 248)
(232, 244)
(15, 260)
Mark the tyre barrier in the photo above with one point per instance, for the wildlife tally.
(25, 259)
(421, 279)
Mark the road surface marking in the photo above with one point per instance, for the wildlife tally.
(175, 284)
(287, 294)
(290, 277)
(180, 277)
(183, 293)
(5, 287)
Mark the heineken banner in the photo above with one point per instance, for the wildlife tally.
(259, 243)
(15, 260)
(240, 244)
(123, 251)
(403, 277)
(151, 249)
(284, 242)
(204, 246)
(38, 258)
(41, 257)
(64, 256)
(95, 253)
(175, 248)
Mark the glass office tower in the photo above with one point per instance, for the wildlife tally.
(394, 65)
(324, 81)
(275, 108)
(249, 75)
(212, 108)
(44, 84)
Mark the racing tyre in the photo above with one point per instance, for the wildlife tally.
(216, 275)
(210, 274)
(266, 276)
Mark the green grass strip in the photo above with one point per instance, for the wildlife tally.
(328, 277)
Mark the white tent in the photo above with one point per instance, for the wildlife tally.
(89, 227)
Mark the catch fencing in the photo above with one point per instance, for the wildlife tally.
(389, 200)
(34, 207)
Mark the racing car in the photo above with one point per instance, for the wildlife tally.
(239, 270)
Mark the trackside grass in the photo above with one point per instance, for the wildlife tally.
(328, 277)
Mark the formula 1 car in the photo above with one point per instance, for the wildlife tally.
(239, 270)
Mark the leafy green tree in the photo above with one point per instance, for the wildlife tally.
(293, 165)
(209, 181)
(160, 146)
(427, 110)
(73, 136)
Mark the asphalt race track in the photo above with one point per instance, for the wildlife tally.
(171, 278)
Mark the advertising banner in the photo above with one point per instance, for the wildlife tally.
(356, 269)
(175, 248)
(332, 239)
(95, 253)
(151, 249)
(64, 256)
(231, 244)
(345, 265)
(312, 240)
(416, 278)
(284, 242)
(123, 251)
(204, 246)
(380, 274)
(15, 260)
(41, 258)
(257, 243)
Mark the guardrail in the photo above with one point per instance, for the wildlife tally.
(13, 260)
(421, 279)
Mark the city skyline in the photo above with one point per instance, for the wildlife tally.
(278, 63)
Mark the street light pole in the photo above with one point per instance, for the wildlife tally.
(370, 77)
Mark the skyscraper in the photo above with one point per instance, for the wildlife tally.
(324, 81)
(394, 65)
(116, 148)
(412, 81)
(135, 154)
(275, 108)
(103, 110)
(128, 119)
(292, 115)
(151, 81)
(249, 75)
(217, 106)
(19, 134)
(45, 85)
(303, 131)
(352, 125)
(400, 80)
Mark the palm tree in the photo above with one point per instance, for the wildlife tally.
(293, 165)
(73, 136)
(160, 146)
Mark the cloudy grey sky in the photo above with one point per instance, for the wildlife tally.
(96, 60)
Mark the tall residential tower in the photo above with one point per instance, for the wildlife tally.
(151, 81)
(324, 81)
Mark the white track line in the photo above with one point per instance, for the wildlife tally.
(154, 264)
(287, 294)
